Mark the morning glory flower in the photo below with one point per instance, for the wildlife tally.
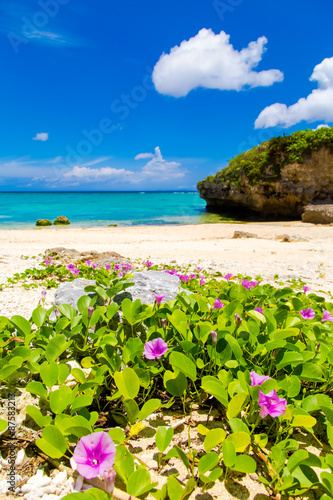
(238, 319)
(154, 349)
(202, 281)
(47, 262)
(305, 288)
(43, 294)
(159, 299)
(228, 276)
(88, 262)
(94, 454)
(307, 313)
(259, 310)
(258, 379)
(149, 264)
(327, 316)
(107, 267)
(271, 404)
(218, 304)
(70, 267)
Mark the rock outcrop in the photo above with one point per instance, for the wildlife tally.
(43, 222)
(318, 214)
(276, 179)
(72, 256)
(61, 221)
(145, 284)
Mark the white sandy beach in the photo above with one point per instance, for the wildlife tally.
(309, 254)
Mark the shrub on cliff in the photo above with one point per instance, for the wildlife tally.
(275, 153)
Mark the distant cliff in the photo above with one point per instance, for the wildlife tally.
(276, 179)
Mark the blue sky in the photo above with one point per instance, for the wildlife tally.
(154, 95)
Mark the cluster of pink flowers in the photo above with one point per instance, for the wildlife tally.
(73, 269)
(270, 403)
(249, 284)
(48, 261)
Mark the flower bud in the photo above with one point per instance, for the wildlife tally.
(90, 311)
(57, 313)
(164, 322)
(110, 478)
(214, 336)
(43, 294)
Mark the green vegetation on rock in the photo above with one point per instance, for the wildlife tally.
(43, 222)
(271, 156)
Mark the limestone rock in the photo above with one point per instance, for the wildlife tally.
(283, 195)
(318, 214)
(145, 284)
(70, 255)
(70, 291)
(61, 221)
(244, 234)
(43, 222)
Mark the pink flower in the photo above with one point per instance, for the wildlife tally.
(238, 319)
(57, 312)
(214, 336)
(149, 264)
(327, 316)
(90, 312)
(43, 294)
(70, 267)
(159, 299)
(116, 267)
(107, 267)
(257, 379)
(193, 276)
(47, 262)
(164, 322)
(228, 276)
(259, 310)
(199, 268)
(154, 349)
(271, 404)
(218, 304)
(305, 288)
(185, 278)
(120, 275)
(202, 281)
(94, 454)
(307, 313)
(88, 262)
(94, 266)
(76, 271)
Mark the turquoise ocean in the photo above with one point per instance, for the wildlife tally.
(89, 209)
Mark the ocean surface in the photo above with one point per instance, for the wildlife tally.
(21, 210)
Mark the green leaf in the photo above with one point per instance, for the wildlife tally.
(3, 425)
(8, 370)
(213, 438)
(39, 316)
(53, 442)
(184, 364)
(208, 462)
(49, 373)
(127, 382)
(214, 387)
(245, 464)
(117, 435)
(175, 491)
(179, 320)
(175, 383)
(63, 372)
(132, 410)
(163, 437)
(56, 347)
(21, 324)
(296, 458)
(327, 482)
(37, 388)
(139, 483)
(124, 463)
(237, 425)
(182, 455)
(229, 453)
(148, 408)
(82, 401)
(303, 421)
(69, 311)
(241, 440)
(236, 404)
(60, 399)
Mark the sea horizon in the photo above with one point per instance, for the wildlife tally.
(22, 209)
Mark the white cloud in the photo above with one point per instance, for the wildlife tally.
(316, 106)
(158, 167)
(322, 125)
(208, 60)
(42, 136)
(144, 156)
(88, 174)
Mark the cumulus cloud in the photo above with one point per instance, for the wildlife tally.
(208, 60)
(88, 174)
(159, 167)
(316, 106)
(322, 125)
(41, 136)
